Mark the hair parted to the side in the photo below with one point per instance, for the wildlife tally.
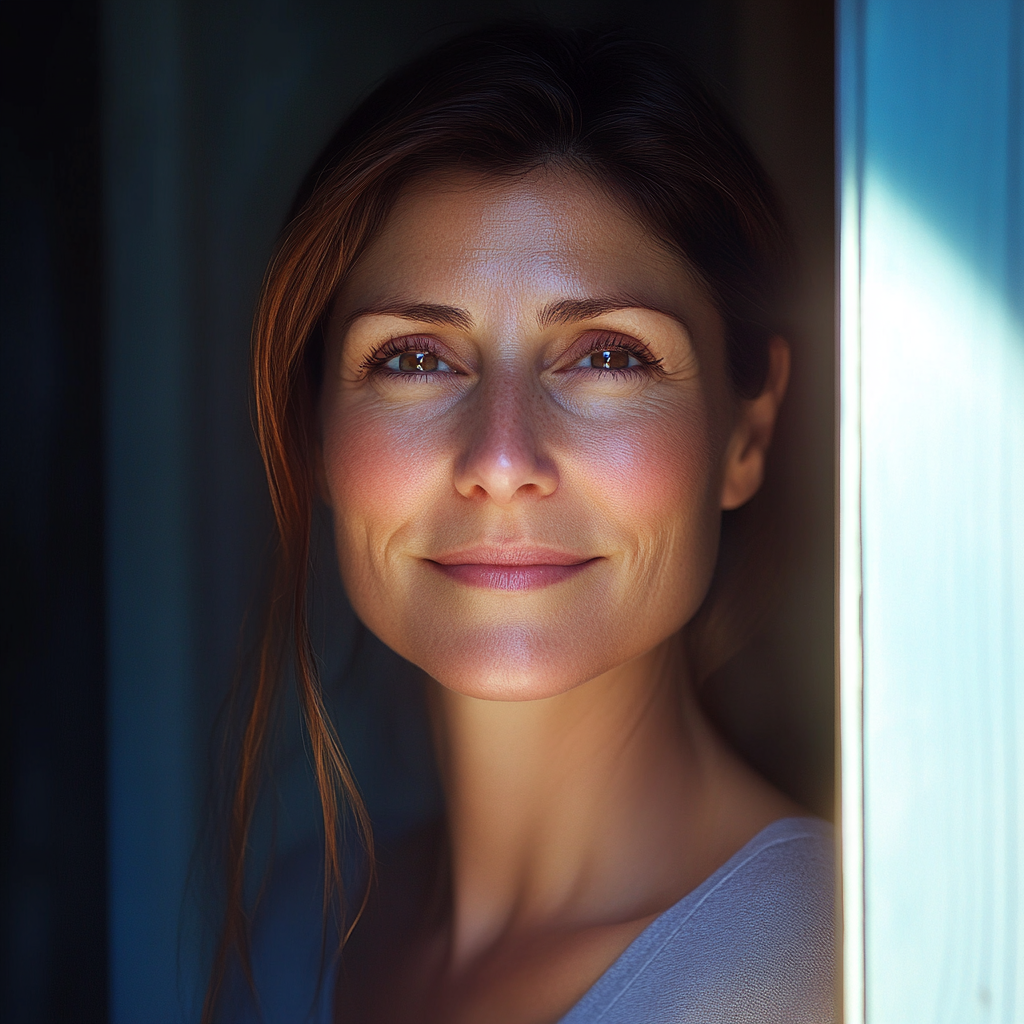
(501, 100)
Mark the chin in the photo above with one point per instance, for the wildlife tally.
(508, 664)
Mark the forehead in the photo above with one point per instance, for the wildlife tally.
(464, 236)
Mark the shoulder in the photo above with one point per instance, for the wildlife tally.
(754, 942)
(762, 938)
(783, 879)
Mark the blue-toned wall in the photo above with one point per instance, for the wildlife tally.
(932, 508)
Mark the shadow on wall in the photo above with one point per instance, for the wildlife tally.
(52, 730)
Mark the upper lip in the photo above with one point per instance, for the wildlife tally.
(521, 555)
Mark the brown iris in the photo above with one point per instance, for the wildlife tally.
(609, 359)
(422, 362)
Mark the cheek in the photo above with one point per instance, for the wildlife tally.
(379, 471)
(657, 470)
(656, 479)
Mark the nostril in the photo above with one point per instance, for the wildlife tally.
(502, 473)
(504, 453)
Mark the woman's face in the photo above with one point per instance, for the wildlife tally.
(528, 435)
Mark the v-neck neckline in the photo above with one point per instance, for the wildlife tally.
(611, 985)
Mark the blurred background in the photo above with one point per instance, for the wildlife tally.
(149, 151)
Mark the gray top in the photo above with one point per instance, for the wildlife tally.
(754, 942)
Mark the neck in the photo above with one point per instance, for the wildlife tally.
(599, 805)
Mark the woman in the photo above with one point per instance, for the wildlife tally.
(518, 336)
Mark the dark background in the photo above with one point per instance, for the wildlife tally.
(149, 150)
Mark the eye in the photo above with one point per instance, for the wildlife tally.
(417, 361)
(609, 359)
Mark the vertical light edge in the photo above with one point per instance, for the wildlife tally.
(850, 620)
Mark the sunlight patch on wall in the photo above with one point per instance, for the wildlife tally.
(942, 555)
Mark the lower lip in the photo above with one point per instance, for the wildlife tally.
(512, 577)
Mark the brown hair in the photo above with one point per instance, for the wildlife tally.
(500, 100)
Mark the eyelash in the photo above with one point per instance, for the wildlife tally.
(377, 359)
(395, 347)
(606, 340)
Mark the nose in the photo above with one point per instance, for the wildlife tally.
(503, 453)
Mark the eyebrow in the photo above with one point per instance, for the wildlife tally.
(567, 311)
(424, 312)
(562, 311)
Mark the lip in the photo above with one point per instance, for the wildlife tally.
(510, 568)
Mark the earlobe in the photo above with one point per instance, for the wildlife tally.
(752, 432)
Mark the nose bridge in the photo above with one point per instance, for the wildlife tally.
(503, 445)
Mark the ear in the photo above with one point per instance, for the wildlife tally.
(752, 432)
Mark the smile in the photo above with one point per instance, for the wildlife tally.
(495, 569)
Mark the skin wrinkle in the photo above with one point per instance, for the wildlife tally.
(585, 792)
